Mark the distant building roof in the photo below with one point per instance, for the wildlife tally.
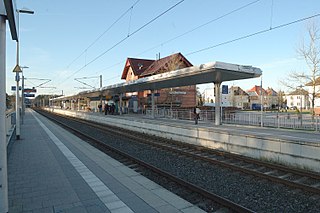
(138, 66)
(238, 90)
(317, 82)
(299, 92)
(257, 90)
(163, 64)
(271, 92)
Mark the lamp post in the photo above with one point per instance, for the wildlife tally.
(18, 69)
(301, 92)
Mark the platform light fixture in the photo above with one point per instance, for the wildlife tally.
(18, 69)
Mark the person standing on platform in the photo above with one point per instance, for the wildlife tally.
(100, 107)
(196, 112)
(106, 109)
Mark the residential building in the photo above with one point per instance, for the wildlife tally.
(272, 98)
(297, 99)
(317, 94)
(255, 97)
(238, 98)
(170, 97)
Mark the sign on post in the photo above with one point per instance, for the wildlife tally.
(224, 89)
(27, 95)
(13, 88)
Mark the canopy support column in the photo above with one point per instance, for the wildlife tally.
(152, 104)
(120, 103)
(217, 103)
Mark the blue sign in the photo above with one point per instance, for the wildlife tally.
(13, 88)
(29, 95)
(224, 89)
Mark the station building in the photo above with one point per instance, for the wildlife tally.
(135, 68)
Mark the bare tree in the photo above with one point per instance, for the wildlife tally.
(309, 50)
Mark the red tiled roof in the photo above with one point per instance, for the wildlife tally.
(257, 89)
(162, 64)
(138, 66)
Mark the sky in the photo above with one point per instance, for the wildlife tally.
(71, 39)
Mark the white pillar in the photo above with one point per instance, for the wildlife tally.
(3, 139)
(152, 104)
(78, 104)
(217, 103)
(120, 103)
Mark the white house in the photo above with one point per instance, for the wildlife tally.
(298, 99)
(317, 98)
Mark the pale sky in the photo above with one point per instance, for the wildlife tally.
(70, 39)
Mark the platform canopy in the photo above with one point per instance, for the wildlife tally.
(212, 72)
(8, 8)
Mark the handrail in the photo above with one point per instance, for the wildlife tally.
(9, 124)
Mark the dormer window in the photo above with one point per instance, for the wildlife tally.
(140, 66)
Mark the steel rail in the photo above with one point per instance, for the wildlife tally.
(243, 169)
(209, 195)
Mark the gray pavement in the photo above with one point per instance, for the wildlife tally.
(51, 170)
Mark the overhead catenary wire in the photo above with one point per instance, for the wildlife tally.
(200, 26)
(246, 36)
(189, 31)
(254, 34)
(125, 38)
(107, 30)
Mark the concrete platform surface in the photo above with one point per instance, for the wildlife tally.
(51, 170)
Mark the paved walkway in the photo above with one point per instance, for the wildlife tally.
(51, 170)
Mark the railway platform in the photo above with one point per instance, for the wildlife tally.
(289, 147)
(51, 170)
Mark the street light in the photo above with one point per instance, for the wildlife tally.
(18, 69)
(301, 92)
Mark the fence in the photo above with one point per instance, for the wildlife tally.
(10, 121)
(268, 119)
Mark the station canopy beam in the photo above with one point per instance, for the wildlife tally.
(205, 73)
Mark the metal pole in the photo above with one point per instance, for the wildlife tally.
(301, 105)
(3, 139)
(261, 94)
(17, 107)
(22, 98)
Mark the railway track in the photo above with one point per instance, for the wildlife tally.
(294, 178)
(226, 205)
